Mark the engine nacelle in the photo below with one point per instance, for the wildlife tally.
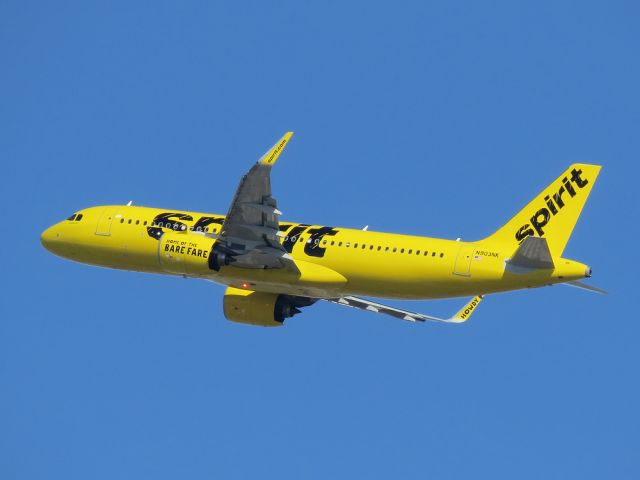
(257, 308)
(218, 259)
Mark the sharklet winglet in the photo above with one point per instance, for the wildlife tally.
(270, 157)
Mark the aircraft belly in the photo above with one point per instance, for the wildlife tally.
(311, 280)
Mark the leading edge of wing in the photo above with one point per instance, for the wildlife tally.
(251, 229)
(363, 304)
(270, 157)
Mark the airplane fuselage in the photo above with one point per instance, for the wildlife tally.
(331, 261)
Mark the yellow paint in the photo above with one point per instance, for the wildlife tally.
(561, 202)
(355, 262)
(274, 152)
(246, 306)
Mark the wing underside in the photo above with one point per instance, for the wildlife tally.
(250, 234)
(363, 304)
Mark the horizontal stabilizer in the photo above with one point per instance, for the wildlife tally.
(533, 252)
(585, 286)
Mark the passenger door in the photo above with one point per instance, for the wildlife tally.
(463, 261)
(105, 220)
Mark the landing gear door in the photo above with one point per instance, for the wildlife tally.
(463, 262)
(105, 221)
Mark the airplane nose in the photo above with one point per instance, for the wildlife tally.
(49, 238)
(587, 272)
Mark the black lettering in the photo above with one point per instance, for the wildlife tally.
(290, 240)
(569, 187)
(538, 222)
(524, 232)
(557, 197)
(575, 178)
(204, 222)
(550, 204)
(313, 247)
(162, 219)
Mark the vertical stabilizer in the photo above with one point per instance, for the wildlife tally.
(553, 213)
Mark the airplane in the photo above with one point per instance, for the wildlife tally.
(273, 268)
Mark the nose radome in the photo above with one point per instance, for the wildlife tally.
(49, 237)
(587, 272)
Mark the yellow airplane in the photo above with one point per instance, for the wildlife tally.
(273, 268)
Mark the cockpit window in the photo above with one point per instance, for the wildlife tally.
(78, 217)
(72, 217)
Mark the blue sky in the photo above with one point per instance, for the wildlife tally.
(428, 118)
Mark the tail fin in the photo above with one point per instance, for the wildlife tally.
(553, 213)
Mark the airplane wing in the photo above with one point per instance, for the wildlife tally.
(461, 316)
(249, 236)
(584, 286)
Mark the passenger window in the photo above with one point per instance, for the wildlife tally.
(129, 222)
(441, 255)
(122, 220)
(301, 240)
(348, 244)
(364, 246)
(379, 248)
(394, 249)
(355, 245)
(402, 250)
(324, 242)
(137, 222)
(371, 247)
(339, 244)
(409, 252)
(386, 249)
(145, 223)
(417, 252)
(433, 254)
(426, 253)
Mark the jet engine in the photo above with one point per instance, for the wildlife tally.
(188, 253)
(261, 308)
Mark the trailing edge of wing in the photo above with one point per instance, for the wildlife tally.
(355, 302)
(270, 157)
